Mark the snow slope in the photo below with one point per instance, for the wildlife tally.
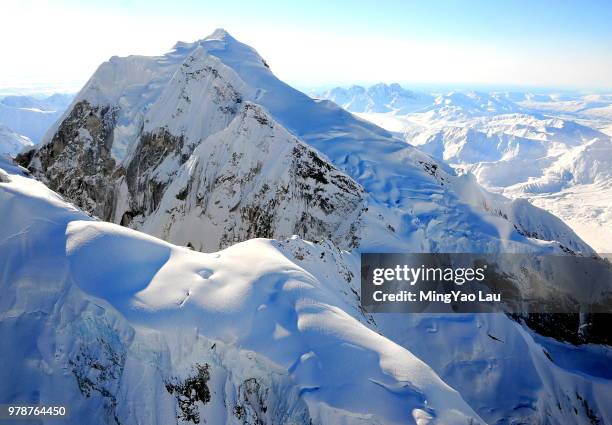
(247, 335)
(140, 123)
(551, 149)
(126, 328)
(31, 116)
(12, 143)
(183, 145)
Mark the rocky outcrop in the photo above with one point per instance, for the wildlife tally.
(77, 162)
(251, 179)
(254, 179)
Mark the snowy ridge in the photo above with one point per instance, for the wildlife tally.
(148, 124)
(242, 326)
(205, 147)
(257, 333)
(255, 179)
(12, 143)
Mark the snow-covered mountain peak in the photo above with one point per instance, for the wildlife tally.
(222, 45)
(380, 97)
(217, 35)
(255, 179)
(206, 148)
(200, 99)
(220, 34)
(141, 119)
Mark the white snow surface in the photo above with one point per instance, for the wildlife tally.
(12, 143)
(146, 311)
(104, 318)
(195, 91)
(285, 312)
(554, 150)
(31, 116)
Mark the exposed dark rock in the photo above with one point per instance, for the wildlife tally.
(253, 403)
(77, 162)
(97, 369)
(191, 391)
(572, 328)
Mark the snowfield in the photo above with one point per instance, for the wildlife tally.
(122, 326)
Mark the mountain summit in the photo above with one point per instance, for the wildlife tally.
(133, 129)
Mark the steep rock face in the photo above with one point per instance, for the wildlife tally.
(165, 107)
(77, 161)
(251, 179)
(254, 179)
(178, 147)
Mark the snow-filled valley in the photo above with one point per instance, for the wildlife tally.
(555, 150)
(183, 247)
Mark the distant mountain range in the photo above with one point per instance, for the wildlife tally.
(30, 116)
(553, 149)
(378, 98)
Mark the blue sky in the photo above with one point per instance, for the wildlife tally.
(559, 44)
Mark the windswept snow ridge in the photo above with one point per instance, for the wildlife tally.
(104, 318)
(247, 335)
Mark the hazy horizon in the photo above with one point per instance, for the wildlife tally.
(550, 45)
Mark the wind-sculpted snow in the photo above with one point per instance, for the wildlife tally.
(208, 168)
(106, 319)
(205, 147)
(395, 175)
